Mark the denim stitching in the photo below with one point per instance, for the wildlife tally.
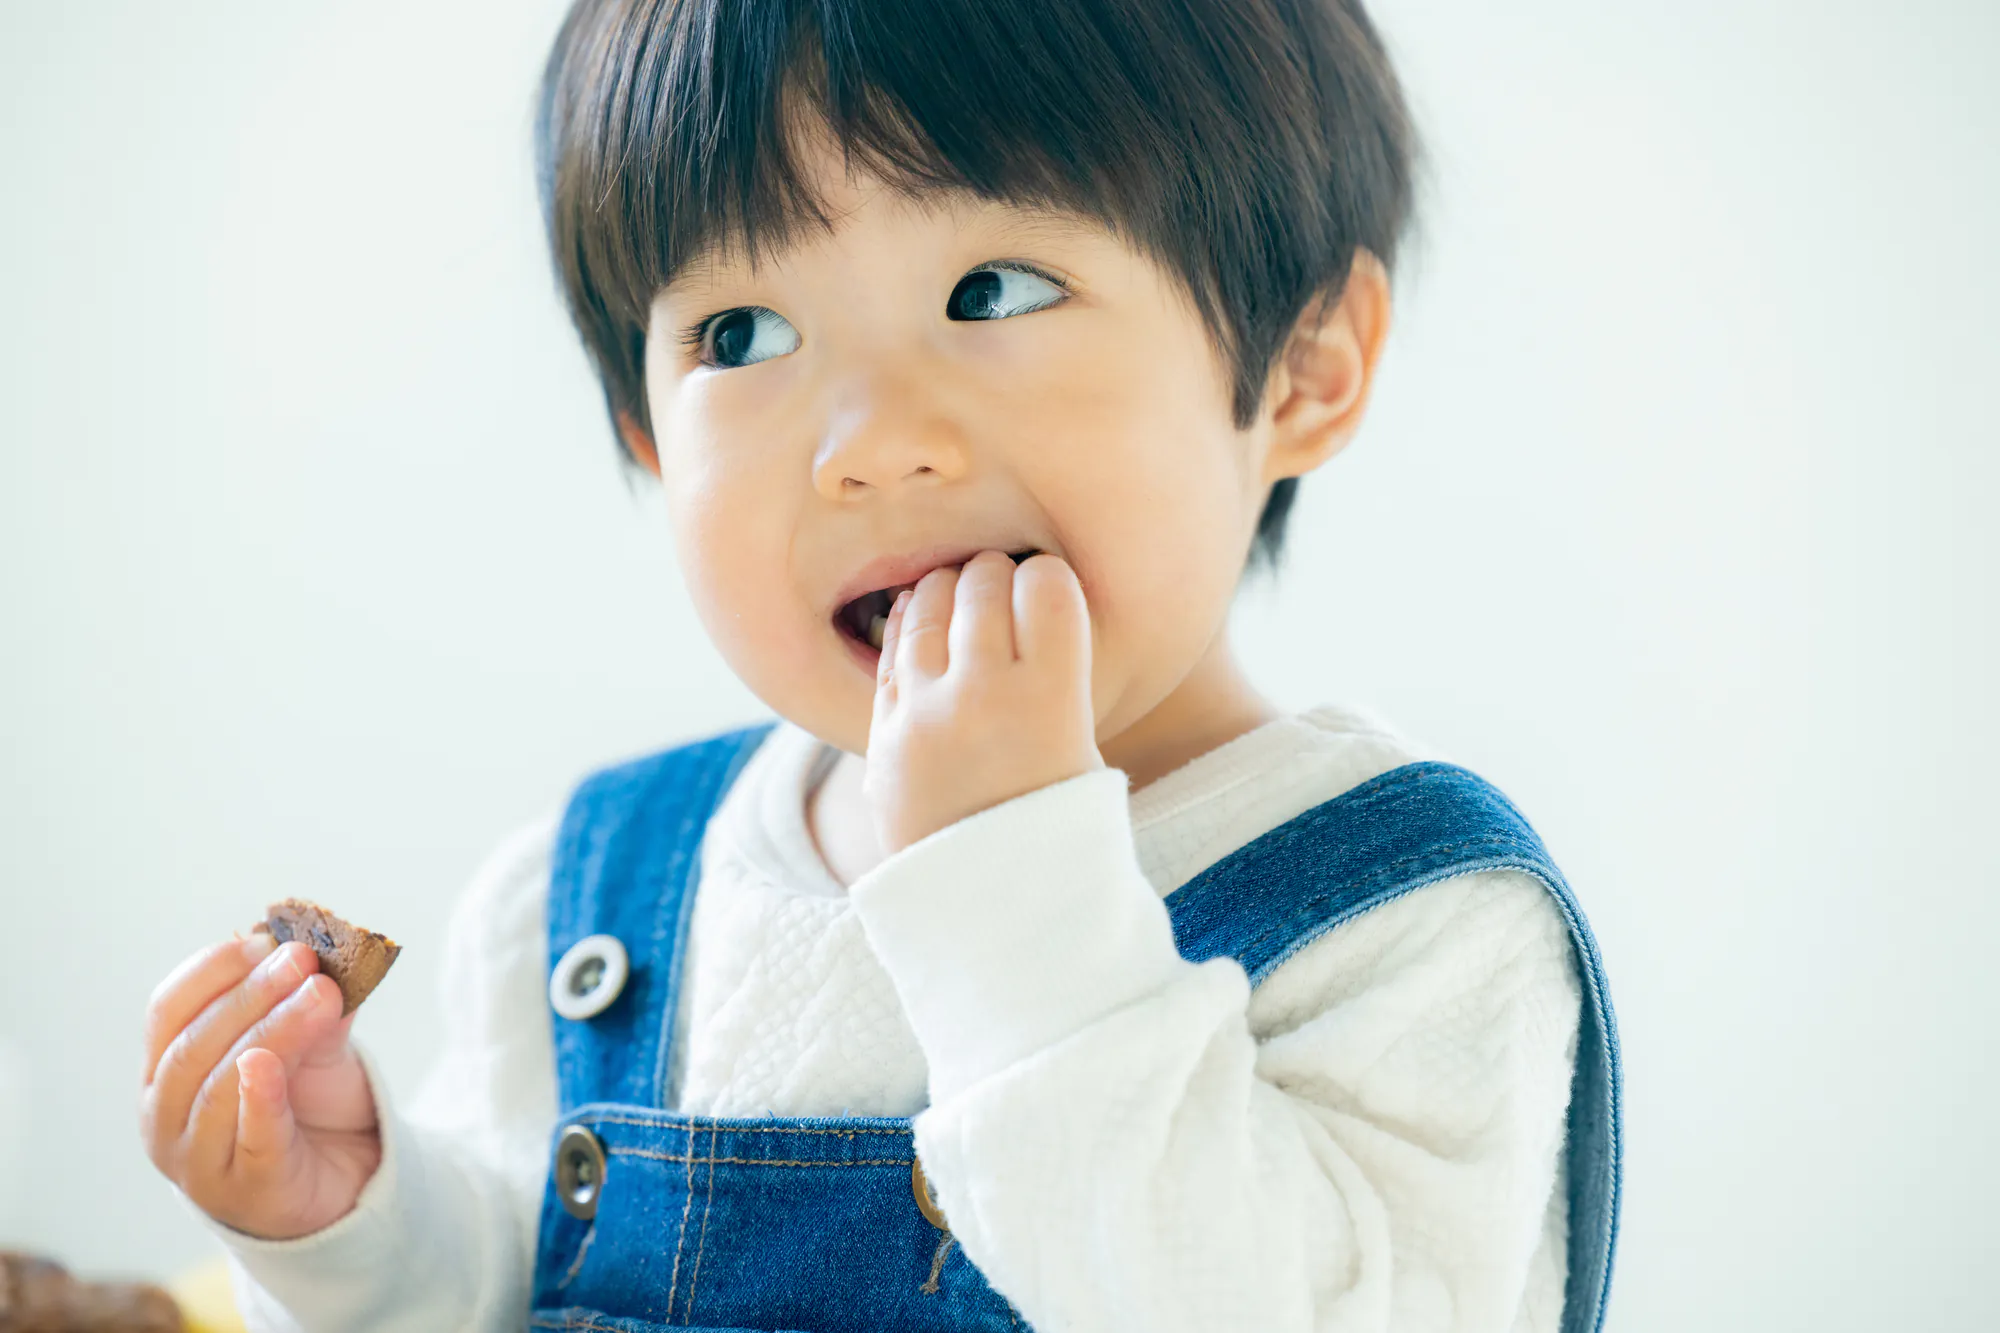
(1454, 870)
(581, 1250)
(694, 1278)
(937, 1265)
(1378, 789)
(745, 1161)
(1387, 873)
(674, 1282)
(716, 1124)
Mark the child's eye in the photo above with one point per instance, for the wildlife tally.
(731, 338)
(1002, 289)
(749, 334)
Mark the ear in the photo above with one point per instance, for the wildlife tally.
(639, 442)
(1320, 388)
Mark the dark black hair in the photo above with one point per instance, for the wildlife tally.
(1247, 146)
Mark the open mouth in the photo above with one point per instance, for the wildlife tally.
(866, 617)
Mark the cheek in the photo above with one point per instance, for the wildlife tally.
(1143, 475)
(731, 541)
(731, 496)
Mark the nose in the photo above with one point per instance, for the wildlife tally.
(890, 435)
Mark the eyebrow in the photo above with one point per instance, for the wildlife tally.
(1016, 223)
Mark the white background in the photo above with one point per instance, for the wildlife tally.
(1670, 517)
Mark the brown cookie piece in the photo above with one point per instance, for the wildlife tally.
(38, 1295)
(356, 959)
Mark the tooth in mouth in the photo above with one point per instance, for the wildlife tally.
(868, 614)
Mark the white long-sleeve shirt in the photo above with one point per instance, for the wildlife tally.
(1371, 1140)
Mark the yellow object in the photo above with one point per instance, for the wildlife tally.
(206, 1300)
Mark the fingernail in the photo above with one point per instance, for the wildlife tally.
(282, 970)
(258, 947)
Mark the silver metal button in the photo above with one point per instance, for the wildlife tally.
(579, 1171)
(926, 1196)
(589, 976)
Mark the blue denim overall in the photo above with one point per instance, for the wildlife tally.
(823, 1224)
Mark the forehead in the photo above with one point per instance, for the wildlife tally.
(957, 211)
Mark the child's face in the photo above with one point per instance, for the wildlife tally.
(864, 420)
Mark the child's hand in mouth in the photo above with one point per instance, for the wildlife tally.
(982, 694)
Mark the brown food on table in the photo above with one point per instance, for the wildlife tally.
(356, 959)
(40, 1296)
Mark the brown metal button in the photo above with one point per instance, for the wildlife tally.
(926, 1196)
(579, 1171)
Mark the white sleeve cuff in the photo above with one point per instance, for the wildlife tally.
(1017, 926)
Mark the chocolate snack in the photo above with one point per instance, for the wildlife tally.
(39, 1296)
(356, 959)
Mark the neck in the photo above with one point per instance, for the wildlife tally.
(1213, 705)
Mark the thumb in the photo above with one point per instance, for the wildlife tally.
(330, 1088)
(331, 1048)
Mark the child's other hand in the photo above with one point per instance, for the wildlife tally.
(982, 694)
(254, 1103)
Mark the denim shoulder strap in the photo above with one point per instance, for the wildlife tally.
(625, 863)
(1395, 833)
